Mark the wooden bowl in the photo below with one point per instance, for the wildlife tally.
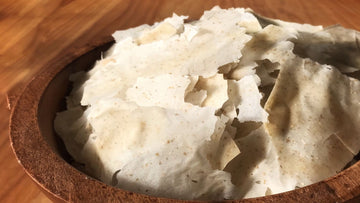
(44, 158)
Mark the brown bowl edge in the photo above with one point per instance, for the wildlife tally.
(43, 165)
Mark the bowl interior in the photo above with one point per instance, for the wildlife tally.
(53, 98)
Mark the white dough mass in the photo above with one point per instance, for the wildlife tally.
(224, 107)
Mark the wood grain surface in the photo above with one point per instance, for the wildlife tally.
(34, 33)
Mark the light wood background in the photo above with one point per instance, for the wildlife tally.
(35, 32)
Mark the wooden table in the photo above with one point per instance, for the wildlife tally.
(35, 32)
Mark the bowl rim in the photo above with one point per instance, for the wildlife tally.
(41, 163)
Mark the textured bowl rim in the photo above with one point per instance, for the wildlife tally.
(42, 164)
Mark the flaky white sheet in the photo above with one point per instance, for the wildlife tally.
(233, 105)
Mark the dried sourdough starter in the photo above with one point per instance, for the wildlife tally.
(218, 108)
